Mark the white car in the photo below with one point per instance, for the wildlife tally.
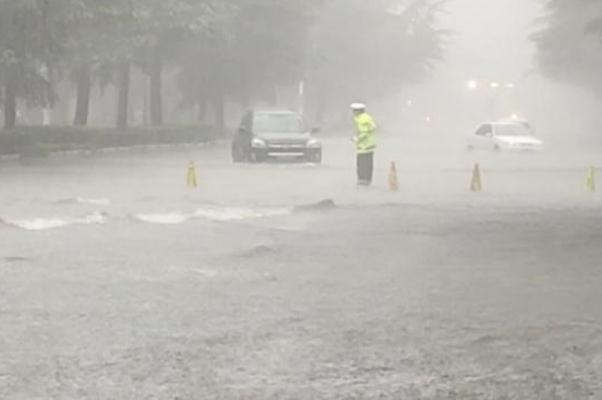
(512, 136)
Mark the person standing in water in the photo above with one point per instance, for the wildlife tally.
(365, 142)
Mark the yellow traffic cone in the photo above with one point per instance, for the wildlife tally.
(476, 185)
(393, 181)
(191, 177)
(591, 179)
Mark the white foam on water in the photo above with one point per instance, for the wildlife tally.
(40, 224)
(94, 202)
(94, 218)
(86, 200)
(237, 214)
(212, 213)
(173, 218)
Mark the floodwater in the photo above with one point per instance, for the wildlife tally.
(119, 282)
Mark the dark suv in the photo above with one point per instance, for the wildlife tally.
(275, 133)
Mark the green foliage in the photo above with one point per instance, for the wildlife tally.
(569, 43)
(368, 49)
(26, 50)
(235, 49)
(258, 45)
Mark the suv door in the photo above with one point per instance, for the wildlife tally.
(483, 137)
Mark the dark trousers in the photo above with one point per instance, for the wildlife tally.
(365, 168)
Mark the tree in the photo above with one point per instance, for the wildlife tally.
(162, 26)
(98, 41)
(27, 49)
(256, 46)
(223, 50)
(363, 50)
(569, 43)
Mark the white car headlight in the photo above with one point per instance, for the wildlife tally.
(314, 143)
(258, 143)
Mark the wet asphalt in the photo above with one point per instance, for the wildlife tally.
(119, 282)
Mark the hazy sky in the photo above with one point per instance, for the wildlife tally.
(491, 37)
(489, 42)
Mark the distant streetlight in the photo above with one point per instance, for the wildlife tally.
(474, 85)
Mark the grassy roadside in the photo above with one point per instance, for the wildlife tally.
(38, 142)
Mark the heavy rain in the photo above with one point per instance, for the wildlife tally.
(300, 199)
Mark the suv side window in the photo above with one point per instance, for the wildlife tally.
(485, 130)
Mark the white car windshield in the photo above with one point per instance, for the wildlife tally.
(278, 123)
(513, 130)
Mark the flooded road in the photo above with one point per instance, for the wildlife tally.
(119, 282)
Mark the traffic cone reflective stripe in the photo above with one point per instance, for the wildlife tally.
(393, 181)
(476, 185)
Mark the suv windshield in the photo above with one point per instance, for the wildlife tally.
(513, 130)
(278, 123)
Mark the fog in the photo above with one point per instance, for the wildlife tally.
(414, 84)
(491, 41)
(300, 199)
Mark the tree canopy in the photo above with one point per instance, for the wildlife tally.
(219, 50)
(569, 43)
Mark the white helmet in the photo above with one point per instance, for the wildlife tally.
(358, 106)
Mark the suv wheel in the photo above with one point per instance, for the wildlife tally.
(257, 157)
(315, 157)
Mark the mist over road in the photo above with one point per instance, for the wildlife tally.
(117, 281)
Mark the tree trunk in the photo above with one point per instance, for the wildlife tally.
(45, 73)
(146, 105)
(201, 110)
(156, 82)
(82, 107)
(10, 107)
(124, 78)
(219, 113)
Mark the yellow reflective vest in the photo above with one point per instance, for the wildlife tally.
(366, 133)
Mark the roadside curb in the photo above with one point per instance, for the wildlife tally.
(108, 150)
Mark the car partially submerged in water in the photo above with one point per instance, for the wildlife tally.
(275, 133)
(516, 136)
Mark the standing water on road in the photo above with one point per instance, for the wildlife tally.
(252, 200)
